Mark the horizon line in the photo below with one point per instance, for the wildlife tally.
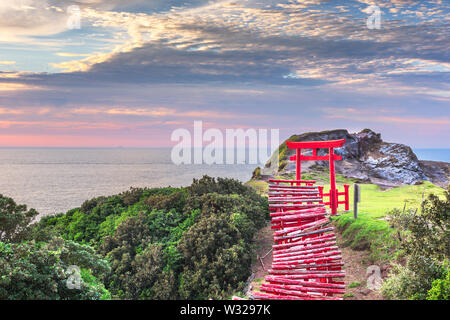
(146, 147)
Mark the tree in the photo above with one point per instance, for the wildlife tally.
(14, 219)
(150, 280)
(137, 264)
(31, 270)
(216, 259)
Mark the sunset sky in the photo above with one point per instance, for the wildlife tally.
(137, 70)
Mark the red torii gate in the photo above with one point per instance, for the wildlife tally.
(331, 157)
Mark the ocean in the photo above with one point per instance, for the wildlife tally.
(54, 180)
(433, 154)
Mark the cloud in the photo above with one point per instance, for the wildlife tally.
(4, 111)
(288, 43)
(155, 113)
(68, 54)
(444, 122)
(18, 86)
(230, 42)
(24, 18)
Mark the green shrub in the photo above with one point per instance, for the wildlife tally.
(39, 271)
(216, 259)
(256, 175)
(400, 285)
(173, 201)
(14, 219)
(132, 196)
(412, 281)
(440, 289)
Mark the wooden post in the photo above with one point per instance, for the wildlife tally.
(347, 198)
(356, 199)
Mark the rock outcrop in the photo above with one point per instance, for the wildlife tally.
(368, 158)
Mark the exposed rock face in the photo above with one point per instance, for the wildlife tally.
(367, 157)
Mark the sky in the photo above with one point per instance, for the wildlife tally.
(134, 71)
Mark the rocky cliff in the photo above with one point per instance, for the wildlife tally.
(368, 158)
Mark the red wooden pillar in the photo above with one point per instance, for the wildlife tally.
(336, 199)
(333, 199)
(299, 165)
(347, 197)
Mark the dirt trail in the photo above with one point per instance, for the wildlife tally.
(355, 267)
(355, 272)
(264, 241)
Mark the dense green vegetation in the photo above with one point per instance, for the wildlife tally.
(40, 270)
(425, 238)
(161, 243)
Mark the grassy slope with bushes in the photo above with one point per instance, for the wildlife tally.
(160, 243)
(425, 275)
(424, 236)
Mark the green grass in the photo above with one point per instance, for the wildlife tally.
(261, 187)
(375, 202)
(361, 233)
(354, 284)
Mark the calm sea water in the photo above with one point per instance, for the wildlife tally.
(433, 154)
(56, 180)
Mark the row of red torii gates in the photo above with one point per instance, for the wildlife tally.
(306, 260)
(334, 194)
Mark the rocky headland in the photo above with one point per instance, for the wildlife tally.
(366, 157)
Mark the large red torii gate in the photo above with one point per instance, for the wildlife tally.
(331, 157)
